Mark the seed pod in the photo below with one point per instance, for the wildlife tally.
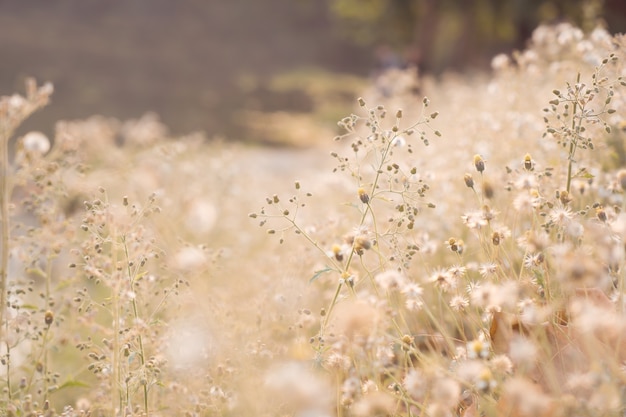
(48, 318)
(528, 162)
(363, 196)
(479, 163)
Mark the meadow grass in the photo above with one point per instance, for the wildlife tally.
(453, 252)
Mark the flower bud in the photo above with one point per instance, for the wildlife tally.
(363, 196)
(48, 318)
(479, 163)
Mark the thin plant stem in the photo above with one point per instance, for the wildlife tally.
(142, 355)
(4, 212)
(574, 142)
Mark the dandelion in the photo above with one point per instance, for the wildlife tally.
(413, 304)
(412, 290)
(457, 271)
(337, 362)
(413, 296)
(488, 269)
(458, 303)
(561, 215)
(533, 260)
(475, 219)
(443, 280)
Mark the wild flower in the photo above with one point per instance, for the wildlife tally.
(561, 215)
(533, 260)
(459, 303)
(478, 348)
(443, 280)
(475, 219)
(457, 271)
(374, 298)
(488, 269)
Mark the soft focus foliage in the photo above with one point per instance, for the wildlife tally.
(460, 252)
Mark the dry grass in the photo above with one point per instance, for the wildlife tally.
(481, 274)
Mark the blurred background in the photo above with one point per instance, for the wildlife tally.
(210, 64)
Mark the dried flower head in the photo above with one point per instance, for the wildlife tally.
(455, 245)
(443, 280)
(363, 196)
(529, 164)
(479, 163)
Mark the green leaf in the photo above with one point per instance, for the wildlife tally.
(319, 273)
(583, 173)
(72, 383)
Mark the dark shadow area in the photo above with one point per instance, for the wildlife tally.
(183, 60)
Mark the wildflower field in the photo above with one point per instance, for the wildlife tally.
(454, 247)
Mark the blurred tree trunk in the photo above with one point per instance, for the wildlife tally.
(466, 48)
(426, 29)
